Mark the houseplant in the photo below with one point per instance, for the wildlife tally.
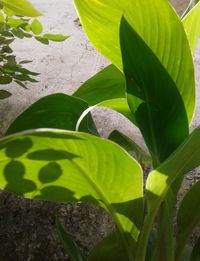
(152, 83)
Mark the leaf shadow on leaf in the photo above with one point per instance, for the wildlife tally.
(16, 148)
(14, 173)
(128, 208)
(51, 155)
(50, 172)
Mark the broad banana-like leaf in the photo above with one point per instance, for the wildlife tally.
(70, 247)
(21, 7)
(107, 89)
(159, 181)
(68, 166)
(191, 23)
(156, 23)
(58, 111)
(156, 103)
(185, 220)
(131, 147)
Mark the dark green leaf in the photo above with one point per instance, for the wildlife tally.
(195, 256)
(21, 84)
(152, 96)
(58, 111)
(108, 249)
(4, 94)
(42, 40)
(5, 79)
(69, 246)
(185, 221)
(131, 147)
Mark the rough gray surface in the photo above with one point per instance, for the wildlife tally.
(27, 227)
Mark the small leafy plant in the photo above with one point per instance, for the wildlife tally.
(150, 82)
(18, 19)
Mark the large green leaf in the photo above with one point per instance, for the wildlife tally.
(21, 7)
(185, 221)
(68, 166)
(191, 23)
(101, 21)
(153, 97)
(159, 181)
(58, 111)
(107, 89)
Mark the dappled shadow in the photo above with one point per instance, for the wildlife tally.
(133, 210)
(51, 155)
(56, 135)
(18, 147)
(56, 194)
(14, 173)
(50, 172)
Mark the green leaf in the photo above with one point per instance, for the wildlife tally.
(185, 221)
(152, 96)
(15, 23)
(109, 249)
(4, 94)
(36, 27)
(2, 19)
(190, 6)
(195, 256)
(18, 69)
(5, 79)
(66, 166)
(105, 85)
(21, 7)
(191, 24)
(23, 85)
(159, 181)
(69, 246)
(101, 22)
(107, 89)
(53, 111)
(42, 40)
(131, 147)
(56, 37)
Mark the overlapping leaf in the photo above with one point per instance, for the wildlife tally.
(191, 23)
(58, 111)
(68, 166)
(107, 89)
(183, 160)
(167, 39)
